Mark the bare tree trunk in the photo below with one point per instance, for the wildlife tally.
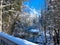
(56, 37)
(45, 35)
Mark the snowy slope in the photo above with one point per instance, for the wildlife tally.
(18, 41)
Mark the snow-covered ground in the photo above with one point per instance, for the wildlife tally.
(41, 38)
(34, 30)
(18, 41)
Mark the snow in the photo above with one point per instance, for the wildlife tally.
(34, 30)
(41, 38)
(18, 41)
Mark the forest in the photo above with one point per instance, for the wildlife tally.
(38, 26)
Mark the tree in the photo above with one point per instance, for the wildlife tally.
(52, 19)
(11, 14)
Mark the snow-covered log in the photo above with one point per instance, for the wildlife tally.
(11, 40)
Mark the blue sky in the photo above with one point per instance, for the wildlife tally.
(37, 4)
